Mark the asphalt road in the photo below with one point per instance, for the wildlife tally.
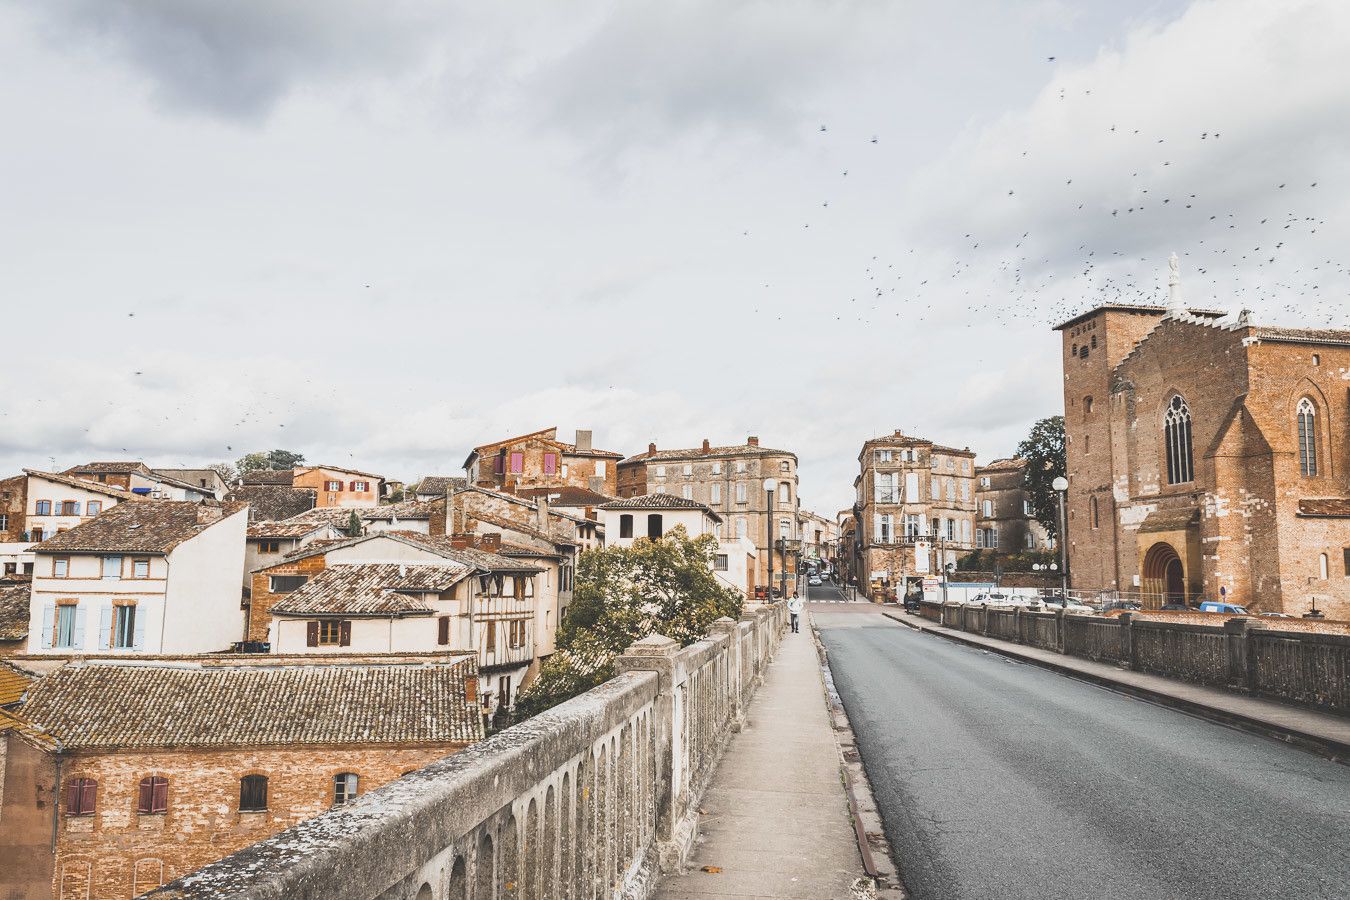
(998, 779)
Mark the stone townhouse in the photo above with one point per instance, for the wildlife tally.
(268, 542)
(14, 598)
(1207, 457)
(653, 516)
(1004, 518)
(118, 778)
(205, 479)
(138, 478)
(405, 592)
(729, 480)
(539, 459)
(37, 505)
(914, 512)
(145, 577)
(819, 536)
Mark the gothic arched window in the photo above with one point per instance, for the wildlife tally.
(1177, 441)
(1307, 437)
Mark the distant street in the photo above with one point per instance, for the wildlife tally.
(1001, 780)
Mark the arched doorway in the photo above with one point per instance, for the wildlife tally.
(1164, 575)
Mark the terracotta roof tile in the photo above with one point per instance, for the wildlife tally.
(270, 502)
(283, 529)
(110, 468)
(151, 527)
(98, 706)
(659, 501)
(269, 476)
(407, 509)
(440, 484)
(14, 611)
(84, 484)
(371, 589)
(566, 496)
(695, 453)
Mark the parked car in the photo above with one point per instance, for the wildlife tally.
(813, 581)
(1220, 607)
(1177, 607)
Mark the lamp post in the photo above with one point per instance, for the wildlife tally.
(770, 488)
(1061, 485)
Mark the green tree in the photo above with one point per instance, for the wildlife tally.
(251, 462)
(355, 527)
(622, 595)
(1044, 452)
(284, 459)
(228, 472)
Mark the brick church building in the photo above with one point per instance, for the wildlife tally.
(1207, 458)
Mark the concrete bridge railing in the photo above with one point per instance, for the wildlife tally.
(589, 800)
(1242, 653)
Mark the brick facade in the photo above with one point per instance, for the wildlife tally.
(13, 503)
(1234, 530)
(539, 460)
(261, 598)
(118, 853)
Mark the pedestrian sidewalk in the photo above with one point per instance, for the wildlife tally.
(1321, 731)
(775, 820)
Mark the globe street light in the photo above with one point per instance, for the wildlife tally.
(1061, 485)
(770, 488)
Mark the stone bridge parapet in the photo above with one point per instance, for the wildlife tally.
(591, 799)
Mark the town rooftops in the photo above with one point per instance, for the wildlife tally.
(267, 530)
(566, 496)
(660, 501)
(14, 611)
(152, 527)
(1141, 308)
(550, 435)
(371, 590)
(406, 509)
(269, 476)
(269, 502)
(344, 471)
(1304, 335)
(898, 438)
(751, 447)
(83, 484)
(530, 529)
(125, 467)
(482, 560)
(181, 704)
(1010, 464)
(440, 484)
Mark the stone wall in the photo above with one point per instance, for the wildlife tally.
(594, 797)
(1242, 653)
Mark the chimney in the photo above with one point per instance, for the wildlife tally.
(651, 449)
(583, 442)
(707, 446)
(541, 506)
(460, 541)
(490, 542)
(752, 441)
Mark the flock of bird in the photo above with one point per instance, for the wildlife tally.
(1242, 247)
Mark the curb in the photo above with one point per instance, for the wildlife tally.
(873, 848)
(1330, 748)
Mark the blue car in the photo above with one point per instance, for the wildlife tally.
(1218, 607)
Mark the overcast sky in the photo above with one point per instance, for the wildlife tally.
(380, 234)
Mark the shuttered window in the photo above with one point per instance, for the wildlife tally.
(517, 462)
(253, 793)
(443, 630)
(153, 796)
(550, 463)
(81, 796)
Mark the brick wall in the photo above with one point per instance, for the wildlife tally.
(13, 502)
(119, 853)
(261, 599)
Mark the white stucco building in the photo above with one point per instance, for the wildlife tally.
(146, 577)
(654, 516)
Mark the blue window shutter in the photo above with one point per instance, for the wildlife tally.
(48, 624)
(79, 627)
(138, 629)
(105, 615)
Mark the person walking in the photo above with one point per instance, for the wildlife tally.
(795, 609)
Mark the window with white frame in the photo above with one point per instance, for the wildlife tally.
(720, 562)
(913, 526)
(740, 466)
(740, 492)
(884, 535)
(885, 487)
(934, 488)
(951, 489)
(951, 529)
(784, 492)
(965, 531)
(717, 468)
(988, 507)
(1031, 540)
(660, 471)
(883, 456)
(687, 491)
(715, 493)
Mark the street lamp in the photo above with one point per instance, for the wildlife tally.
(1061, 484)
(770, 488)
